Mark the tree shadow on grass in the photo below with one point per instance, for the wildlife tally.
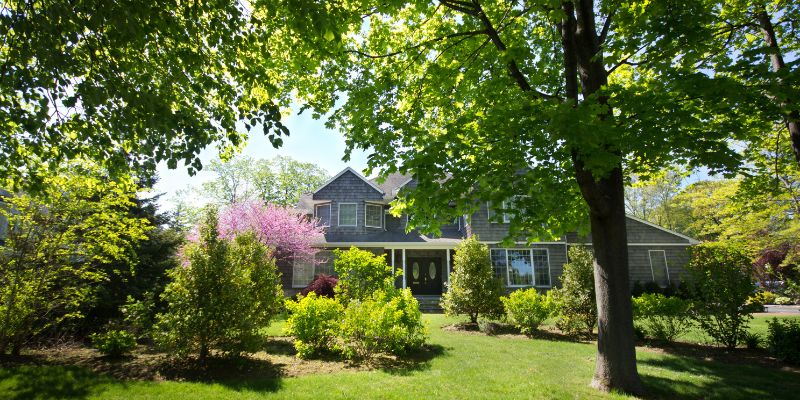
(238, 373)
(419, 360)
(49, 382)
(711, 379)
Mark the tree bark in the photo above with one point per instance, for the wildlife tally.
(792, 120)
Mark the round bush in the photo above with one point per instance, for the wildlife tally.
(527, 309)
(114, 343)
(313, 321)
(661, 317)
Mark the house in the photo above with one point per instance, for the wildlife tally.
(355, 212)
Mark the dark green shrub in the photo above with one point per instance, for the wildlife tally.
(783, 339)
(661, 317)
(388, 322)
(751, 340)
(361, 273)
(313, 322)
(473, 289)
(114, 343)
(721, 282)
(527, 309)
(575, 299)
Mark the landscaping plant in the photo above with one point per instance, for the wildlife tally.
(527, 309)
(361, 273)
(473, 289)
(661, 317)
(313, 322)
(114, 343)
(221, 296)
(721, 282)
(322, 285)
(783, 339)
(575, 299)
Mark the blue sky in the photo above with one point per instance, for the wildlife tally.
(309, 141)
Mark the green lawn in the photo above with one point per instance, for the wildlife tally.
(461, 365)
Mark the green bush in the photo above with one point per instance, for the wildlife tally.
(114, 343)
(361, 273)
(221, 296)
(751, 340)
(783, 339)
(763, 297)
(473, 289)
(661, 317)
(527, 309)
(313, 322)
(388, 322)
(721, 282)
(575, 299)
(783, 301)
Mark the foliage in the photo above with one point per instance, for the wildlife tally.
(661, 317)
(783, 339)
(721, 282)
(761, 298)
(653, 199)
(575, 299)
(221, 296)
(57, 242)
(139, 315)
(472, 288)
(783, 301)
(751, 340)
(278, 181)
(386, 322)
(527, 309)
(129, 84)
(313, 322)
(323, 285)
(114, 343)
(289, 234)
(361, 273)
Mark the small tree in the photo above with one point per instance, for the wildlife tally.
(361, 273)
(575, 298)
(224, 292)
(473, 289)
(721, 282)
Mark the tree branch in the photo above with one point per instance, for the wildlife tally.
(416, 46)
(606, 26)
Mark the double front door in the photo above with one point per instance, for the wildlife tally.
(424, 275)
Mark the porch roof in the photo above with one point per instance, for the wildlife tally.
(448, 239)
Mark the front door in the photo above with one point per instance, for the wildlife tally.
(424, 275)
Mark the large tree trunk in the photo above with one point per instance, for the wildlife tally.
(616, 352)
(792, 120)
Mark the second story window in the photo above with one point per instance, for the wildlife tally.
(374, 215)
(348, 214)
(323, 213)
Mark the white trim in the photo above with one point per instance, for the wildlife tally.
(666, 265)
(691, 240)
(533, 266)
(636, 244)
(330, 213)
(394, 268)
(391, 245)
(339, 214)
(366, 205)
(524, 243)
(447, 259)
(404, 268)
(356, 174)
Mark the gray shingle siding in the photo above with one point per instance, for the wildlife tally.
(349, 188)
(638, 232)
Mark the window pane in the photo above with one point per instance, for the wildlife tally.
(324, 263)
(302, 273)
(658, 263)
(347, 214)
(324, 214)
(520, 270)
(374, 215)
(541, 266)
(499, 264)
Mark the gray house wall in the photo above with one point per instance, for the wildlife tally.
(349, 188)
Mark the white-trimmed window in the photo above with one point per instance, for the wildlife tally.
(658, 267)
(304, 271)
(374, 215)
(522, 267)
(323, 213)
(348, 214)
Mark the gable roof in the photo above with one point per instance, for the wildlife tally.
(648, 223)
(348, 169)
(392, 184)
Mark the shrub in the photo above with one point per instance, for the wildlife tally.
(751, 340)
(527, 309)
(139, 314)
(388, 322)
(661, 317)
(473, 289)
(221, 296)
(361, 273)
(313, 322)
(783, 301)
(323, 285)
(783, 339)
(114, 343)
(721, 282)
(575, 299)
(762, 298)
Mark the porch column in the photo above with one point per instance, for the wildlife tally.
(404, 268)
(394, 268)
(448, 265)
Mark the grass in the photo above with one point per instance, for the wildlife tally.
(458, 365)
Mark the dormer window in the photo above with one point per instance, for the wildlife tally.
(374, 215)
(348, 214)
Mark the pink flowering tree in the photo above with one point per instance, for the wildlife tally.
(291, 234)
